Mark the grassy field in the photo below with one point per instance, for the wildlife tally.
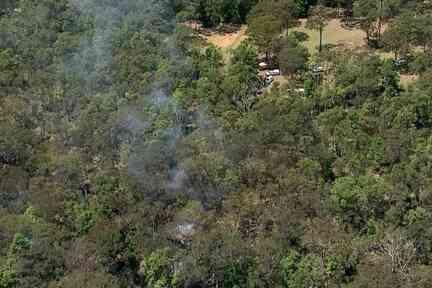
(335, 33)
(340, 35)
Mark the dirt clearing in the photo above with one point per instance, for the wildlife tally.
(406, 80)
(227, 40)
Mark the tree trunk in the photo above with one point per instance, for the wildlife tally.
(379, 30)
(368, 37)
(320, 41)
(380, 20)
(349, 7)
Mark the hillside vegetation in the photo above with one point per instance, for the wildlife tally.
(140, 150)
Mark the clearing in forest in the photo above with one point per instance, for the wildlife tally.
(335, 33)
(406, 80)
(225, 37)
(228, 40)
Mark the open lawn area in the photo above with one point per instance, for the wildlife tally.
(335, 33)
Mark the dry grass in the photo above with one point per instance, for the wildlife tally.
(227, 40)
(225, 37)
(340, 35)
(406, 80)
(335, 33)
(281, 79)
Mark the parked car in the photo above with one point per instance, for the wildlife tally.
(274, 72)
(268, 79)
(402, 63)
(315, 68)
(263, 65)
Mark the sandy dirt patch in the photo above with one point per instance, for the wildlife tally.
(406, 80)
(227, 40)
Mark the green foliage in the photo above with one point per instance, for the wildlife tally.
(246, 55)
(293, 57)
(373, 14)
(242, 81)
(302, 7)
(318, 20)
(19, 243)
(289, 267)
(262, 30)
(215, 12)
(298, 271)
(400, 35)
(421, 63)
(83, 279)
(134, 154)
(238, 274)
(82, 216)
(356, 200)
(157, 270)
(361, 76)
(8, 270)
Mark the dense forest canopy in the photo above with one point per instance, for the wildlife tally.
(133, 153)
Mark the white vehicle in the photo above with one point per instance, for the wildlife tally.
(317, 69)
(274, 72)
(268, 79)
(263, 65)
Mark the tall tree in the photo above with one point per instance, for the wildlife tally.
(318, 20)
(286, 12)
(400, 36)
(373, 14)
(423, 31)
(262, 30)
(292, 56)
(242, 81)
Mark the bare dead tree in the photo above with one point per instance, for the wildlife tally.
(401, 252)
